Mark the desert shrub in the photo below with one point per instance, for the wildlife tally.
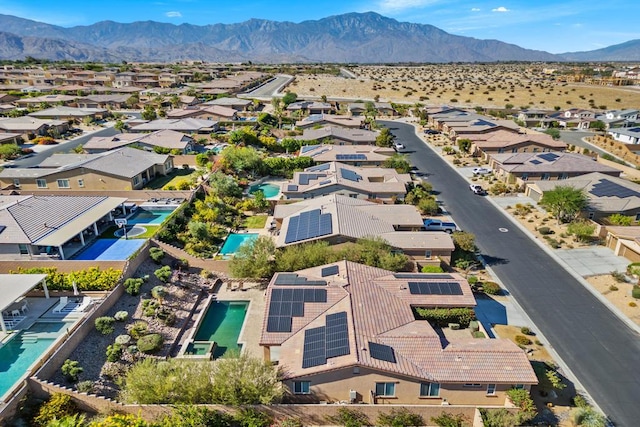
(114, 352)
(613, 288)
(132, 285)
(587, 417)
(163, 273)
(545, 231)
(526, 330)
(491, 288)
(150, 307)
(138, 329)
(634, 268)
(478, 334)
(522, 340)
(349, 418)
(580, 401)
(156, 254)
(104, 324)
(194, 416)
(399, 418)
(71, 369)
(449, 420)
(632, 304)
(121, 316)
(432, 269)
(249, 417)
(473, 280)
(290, 422)
(618, 276)
(522, 399)
(150, 343)
(166, 316)
(58, 406)
(619, 219)
(85, 386)
(122, 340)
(443, 316)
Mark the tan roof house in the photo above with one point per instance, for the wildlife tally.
(501, 141)
(518, 168)
(211, 112)
(330, 119)
(27, 127)
(356, 155)
(339, 135)
(187, 125)
(237, 104)
(70, 113)
(351, 181)
(346, 332)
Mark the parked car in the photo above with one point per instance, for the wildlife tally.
(431, 224)
(431, 132)
(481, 171)
(477, 189)
(398, 146)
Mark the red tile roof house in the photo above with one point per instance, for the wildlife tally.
(346, 332)
(501, 141)
(339, 135)
(356, 155)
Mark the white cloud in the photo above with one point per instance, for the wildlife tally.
(500, 9)
(396, 5)
(475, 9)
(173, 14)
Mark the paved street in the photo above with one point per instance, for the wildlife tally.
(600, 349)
(268, 90)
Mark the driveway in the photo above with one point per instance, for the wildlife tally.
(593, 261)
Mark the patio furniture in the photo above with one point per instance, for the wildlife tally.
(62, 304)
(15, 313)
(86, 302)
(25, 307)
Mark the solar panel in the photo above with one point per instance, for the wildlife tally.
(279, 324)
(318, 168)
(288, 303)
(304, 178)
(549, 157)
(2, 228)
(325, 182)
(435, 288)
(606, 188)
(421, 276)
(536, 162)
(314, 352)
(350, 175)
(327, 341)
(330, 271)
(307, 148)
(292, 187)
(308, 225)
(382, 352)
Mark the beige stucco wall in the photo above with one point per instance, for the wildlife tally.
(92, 181)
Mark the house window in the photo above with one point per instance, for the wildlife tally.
(63, 183)
(301, 387)
(525, 176)
(81, 183)
(546, 176)
(514, 150)
(500, 150)
(519, 386)
(24, 250)
(386, 389)
(472, 385)
(427, 254)
(16, 182)
(41, 183)
(491, 389)
(564, 176)
(429, 389)
(136, 180)
(592, 215)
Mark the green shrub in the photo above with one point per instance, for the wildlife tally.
(526, 330)
(104, 325)
(249, 417)
(150, 307)
(522, 399)
(163, 273)
(432, 269)
(522, 340)
(114, 352)
(635, 292)
(448, 420)
(150, 343)
(85, 386)
(71, 369)
(545, 231)
(478, 334)
(121, 316)
(473, 280)
(156, 254)
(401, 417)
(491, 288)
(580, 401)
(132, 286)
(474, 326)
(350, 418)
(634, 268)
(139, 329)
(613, 288)
(443, 316)
(58, 406)
(122, 340)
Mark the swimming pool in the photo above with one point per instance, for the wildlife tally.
(149, 216)
(234, 241)
(17, 355)
(222, 323)
(269, 190)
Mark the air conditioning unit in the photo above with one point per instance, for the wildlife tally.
(353, 395)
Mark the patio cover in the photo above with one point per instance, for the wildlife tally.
(13, 286)
(65, 233)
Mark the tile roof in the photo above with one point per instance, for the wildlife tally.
(506, 139)
(186, 125)
(328, 152)
(535, 163)
(379, 310)
(346, 134)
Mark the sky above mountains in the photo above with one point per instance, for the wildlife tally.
(550, 25)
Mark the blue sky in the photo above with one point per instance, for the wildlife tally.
(553, 25)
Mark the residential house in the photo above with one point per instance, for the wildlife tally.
(606, 194)
(188, 125)
(458, 130)
(382, 109)
(37, 101)
(121, 169)
(237, 104)
(533, 117)
(501, 141)
(619, 118)
(315, 120)
(356, 155)
(626, 135)
(339, 178)
(41, 227)
(28, 127)
(339, 136)
(310, 107)
(162, 139)
(111, 102)
(517, 168)
(347, 332)
(9, 138)
(574, 118)
(71, 113)
(125, 79)
(210, 112)
(624, 241)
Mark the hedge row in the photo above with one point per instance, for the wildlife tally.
(443, 316)
(91, 279)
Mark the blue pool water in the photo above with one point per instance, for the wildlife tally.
(110, 249)
(234, 241)
(149, 216)
(23, 350)
(269, 190)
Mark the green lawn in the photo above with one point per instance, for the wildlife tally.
(151, 229)
(170, 179)
(257, 221)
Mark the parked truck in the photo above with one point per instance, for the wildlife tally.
(431, 224)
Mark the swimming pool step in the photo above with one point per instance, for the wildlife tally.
(29, 339)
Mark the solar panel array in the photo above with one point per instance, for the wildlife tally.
(307, 148)
(2, 228)
(304, 178)
(350, 175)
(330, 271)
(421, 276)
(308, 225)
(325, 182)
(549, 157)
(327, 341)
(606, 188)
(292, 187)
(382, 352)
(286, 304)
(319, 168)
(536, 162)
(292, 279)
(351, 157)
(435, 288)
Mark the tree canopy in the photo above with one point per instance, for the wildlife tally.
(385, 138)
(398, 162)
(564, 202)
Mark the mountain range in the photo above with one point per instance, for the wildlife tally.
(348, 38)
